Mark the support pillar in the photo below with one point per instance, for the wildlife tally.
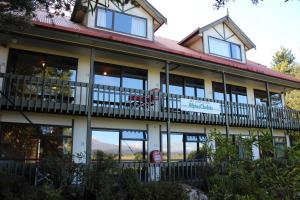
(270, 125)
(225, 105)
(167, 68)
(90, 107)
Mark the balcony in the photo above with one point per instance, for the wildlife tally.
(35, 94)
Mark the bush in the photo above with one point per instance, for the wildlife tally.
(232, 176)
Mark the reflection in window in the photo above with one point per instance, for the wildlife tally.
(280, 146)
(184, 146)
(25, 142)
(224, 48)
(106, 141)
(261, 98)
(121, 22)
(127, 145)
(183, 85)
(42, 65)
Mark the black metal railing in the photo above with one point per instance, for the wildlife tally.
(144, 172)
(53, 95)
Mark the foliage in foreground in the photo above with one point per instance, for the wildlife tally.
(231, 175)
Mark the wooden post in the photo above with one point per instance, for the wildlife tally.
(168, 111)
(90, 107)
(269, 105)
(225, 105)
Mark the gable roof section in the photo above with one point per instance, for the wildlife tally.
(153, 12)
(233, 27)
(160, 44)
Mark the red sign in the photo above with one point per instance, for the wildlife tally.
(156, 156)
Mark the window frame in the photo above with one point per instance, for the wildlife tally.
(184, 142)
(45, 136)
(113, 22)
(124, 74)
(120, 132)
(185, 84)
(230, 48)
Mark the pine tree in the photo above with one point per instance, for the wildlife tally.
(284, 61)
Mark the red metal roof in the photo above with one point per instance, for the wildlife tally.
(159, 43)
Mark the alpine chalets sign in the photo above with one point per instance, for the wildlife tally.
(193, 105)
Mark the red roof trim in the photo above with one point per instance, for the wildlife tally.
(165, 45)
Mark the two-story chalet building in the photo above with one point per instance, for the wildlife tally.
(104, 81)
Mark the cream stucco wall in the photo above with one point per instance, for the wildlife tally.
(137, 11)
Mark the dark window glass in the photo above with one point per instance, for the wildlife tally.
(183, 85)
(25, 142)
(42, 65)
(261, 98)
(121, 22)
(280, 146)
(235, 94)
(107, 75)
(184, 146)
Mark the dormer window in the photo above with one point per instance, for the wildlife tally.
(224, 48)
(121, 22)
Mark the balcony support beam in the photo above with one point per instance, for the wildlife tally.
(90, 107)
(167, 70)
(270, 125)
(225, 104)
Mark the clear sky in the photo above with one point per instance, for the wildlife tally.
(270, 24)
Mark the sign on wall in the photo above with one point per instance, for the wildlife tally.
(193, 105)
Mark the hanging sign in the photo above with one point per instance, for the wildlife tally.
(193, 105)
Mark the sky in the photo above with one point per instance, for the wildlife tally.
(270, 24)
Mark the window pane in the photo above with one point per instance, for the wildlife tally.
(138, 26)
(200, 92)
(106, 141)
(236, 51)
(219, 47)
(104, 18)
(107, 75)
(133, 150)
(280, 146)
(276, 100)
(190, 91)
(191, 150)
(261, 97)
(138, 135)
(122, 23)
(133, 83)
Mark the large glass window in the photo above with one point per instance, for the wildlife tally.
(235, 94)
(119, 76)
(121, 22)
(224, 48)
(261, 98)
(184, 146)
(183, 85)
(125, 145)
(42, 65)
(29, 143)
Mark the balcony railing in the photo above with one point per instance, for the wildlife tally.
(59, 96)
(144, 172)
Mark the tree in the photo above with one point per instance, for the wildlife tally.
(284, 61)
(221, 3)
(18, 13)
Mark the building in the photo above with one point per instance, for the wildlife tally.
(104, 81)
